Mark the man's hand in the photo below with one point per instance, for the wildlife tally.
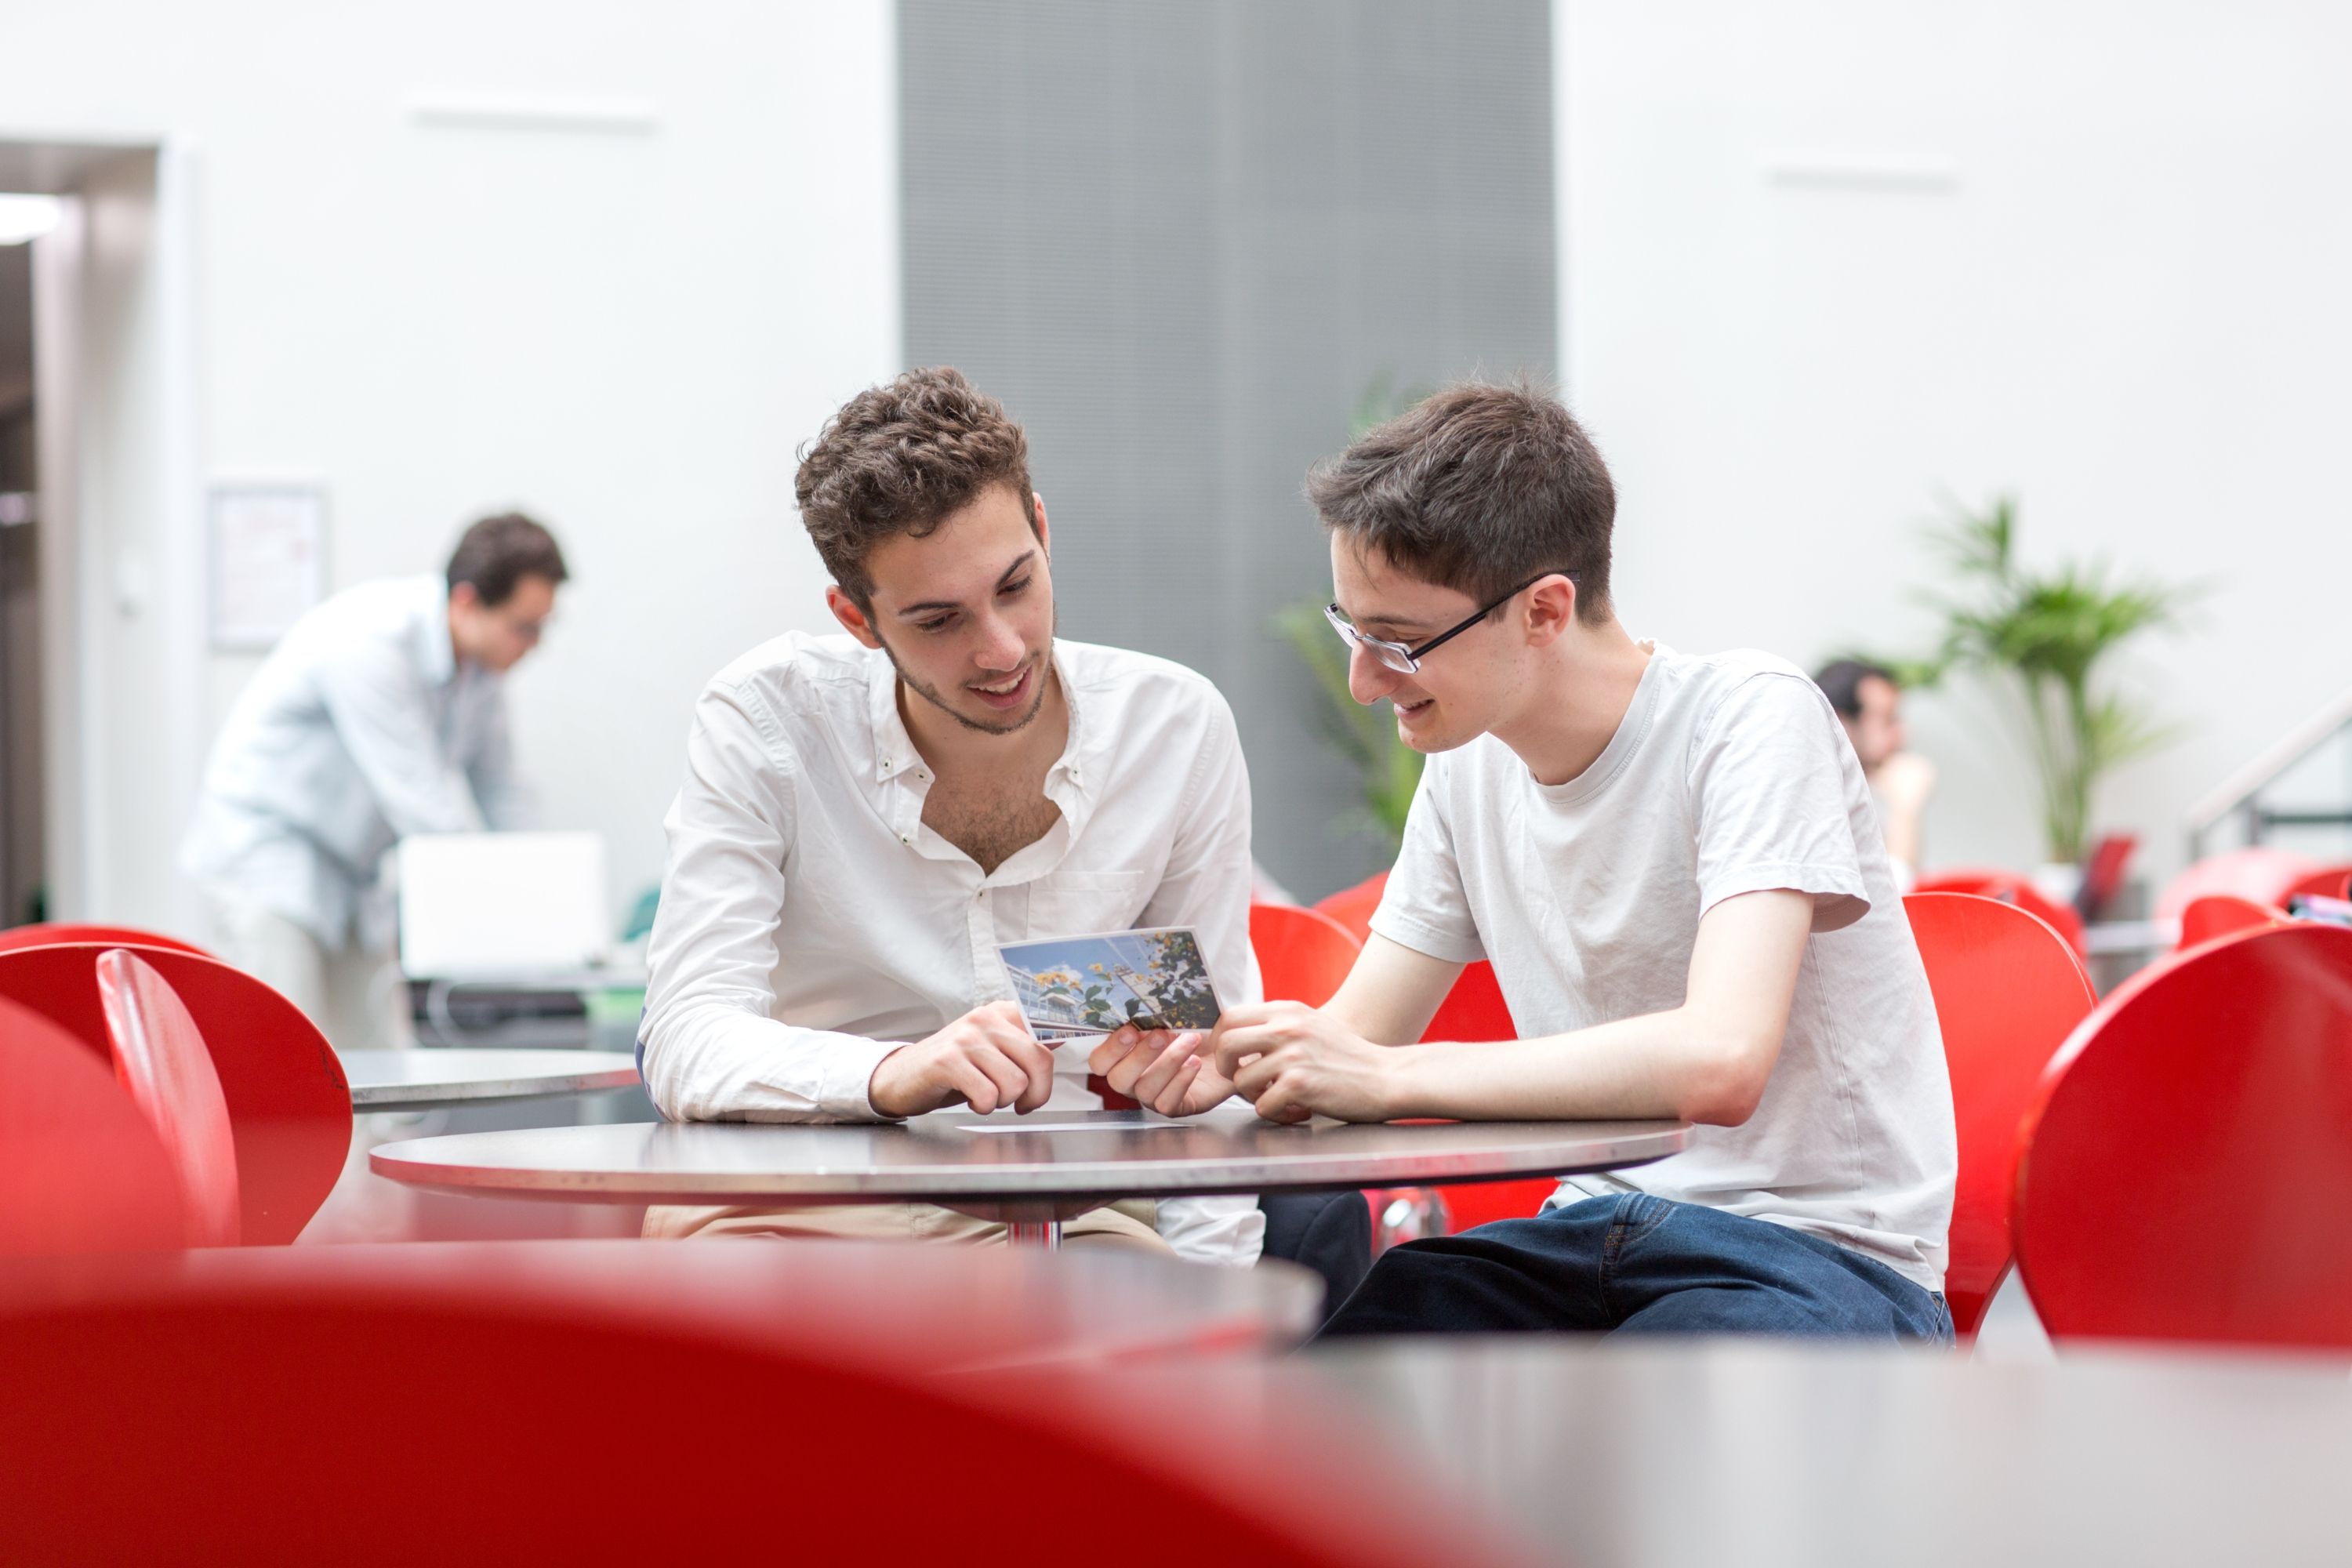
(1167, 1071)
(1295, 1062)
(985, 1059)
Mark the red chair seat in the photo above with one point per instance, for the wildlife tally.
(160, 1058)
(289, 1107)
(2219, 914)
(54, 933)
(2010, 888)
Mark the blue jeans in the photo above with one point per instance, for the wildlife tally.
(1643, 1265)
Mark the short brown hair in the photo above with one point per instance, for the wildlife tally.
(1478, 488)
(902, 459)
(500, 551)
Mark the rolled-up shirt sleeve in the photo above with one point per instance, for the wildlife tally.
(713, 1049)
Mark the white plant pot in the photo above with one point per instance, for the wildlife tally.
(2057, 880)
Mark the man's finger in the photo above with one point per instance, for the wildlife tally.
(1156, 1074)
(1257, 1076)
(1007, 1079)
(978, 1089)
(1171, 1099)
(1037, 1061)
(1114, 1045)
(1280, 1102)
(1235, 1045)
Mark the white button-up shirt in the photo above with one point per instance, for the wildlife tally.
(811, 922)
(360, 727)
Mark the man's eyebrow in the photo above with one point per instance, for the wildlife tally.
(931, 606)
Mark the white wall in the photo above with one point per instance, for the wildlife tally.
(2121, 295)
(627, 333)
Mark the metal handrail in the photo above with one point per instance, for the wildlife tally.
(2235, 792)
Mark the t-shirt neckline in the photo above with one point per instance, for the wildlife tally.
(1632, 730)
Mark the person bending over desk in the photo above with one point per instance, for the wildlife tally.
(1672, 863)
(866, 815)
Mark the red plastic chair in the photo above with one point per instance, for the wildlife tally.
(1302, 954)
(178, 1412)
(2186, 1171)
(2010, 888)
(80, 1171)
(2008, 992)
(159, 1057)
(54, 933)
(2219, 914)
(2260, 873)
(289, 1106)
(1472, 1010)
(2330, 882)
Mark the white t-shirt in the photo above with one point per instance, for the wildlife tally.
(1729, 774)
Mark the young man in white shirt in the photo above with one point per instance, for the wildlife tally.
(865, 816)
(1672, 864)
(381, 713)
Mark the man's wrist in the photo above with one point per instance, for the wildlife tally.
(1398, 1079)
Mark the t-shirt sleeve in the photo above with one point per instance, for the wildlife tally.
(1423, 907)
(1770, 792)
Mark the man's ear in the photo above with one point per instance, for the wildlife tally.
(1045, 534)
(853, 620)
(1551, 610)
(464, 597)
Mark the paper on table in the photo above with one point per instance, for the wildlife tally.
(1071, 1122)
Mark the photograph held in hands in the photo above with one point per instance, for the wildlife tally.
(1079, 988)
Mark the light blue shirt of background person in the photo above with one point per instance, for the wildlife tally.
(361, 728)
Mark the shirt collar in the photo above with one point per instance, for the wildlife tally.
(894, 750)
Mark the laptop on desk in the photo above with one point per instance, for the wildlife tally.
(502, 907)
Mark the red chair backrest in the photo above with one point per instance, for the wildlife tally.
(2008, 992)
(1302, 954)
(2186, 1171)
(2012, 889)
(289, 1106)
(1472, 1010)
(2219, 914)
(80, 1171)
(160, 1058)
(2260, 873)
(2330, 882)
(54, 933)
(190, 1415)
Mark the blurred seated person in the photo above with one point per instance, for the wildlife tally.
(381, 713)
(866, 815)
(1870, 704)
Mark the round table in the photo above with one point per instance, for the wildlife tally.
(1030, 1172)
(424, 1080)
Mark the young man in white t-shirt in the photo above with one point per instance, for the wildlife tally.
(1672, 863)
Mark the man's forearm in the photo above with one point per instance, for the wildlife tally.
(1674, 1064)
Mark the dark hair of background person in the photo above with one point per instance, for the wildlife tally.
(902, 459)
(498, 552)
(1841, 681)
(1478, 488)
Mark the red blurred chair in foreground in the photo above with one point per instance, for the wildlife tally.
(2008, 992)
(2186, 1171)
(2010, 888)
(51, 935)
(2329, 882)
(160, 1058)
(2219, 914)
(181, 1413)
(1472, 1010)
(80, 1171)
(289, 1107)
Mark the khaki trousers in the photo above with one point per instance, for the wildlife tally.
(1126, 1224)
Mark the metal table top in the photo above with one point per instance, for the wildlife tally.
(424, 1078)
(1613, 1454)
(1072, 1160)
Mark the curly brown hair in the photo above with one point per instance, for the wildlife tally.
(902, 459)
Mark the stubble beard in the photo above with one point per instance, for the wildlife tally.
(930, 694)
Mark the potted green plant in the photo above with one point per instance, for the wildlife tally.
(2044, 638)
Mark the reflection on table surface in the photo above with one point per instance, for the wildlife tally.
(1229, 1151)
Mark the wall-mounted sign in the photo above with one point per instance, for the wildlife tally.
(269, 558)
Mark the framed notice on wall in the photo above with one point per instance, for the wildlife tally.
(269, 558)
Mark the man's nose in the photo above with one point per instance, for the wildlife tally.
(1000, 648)
(1368, 679)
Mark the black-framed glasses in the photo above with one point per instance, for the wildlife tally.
(1407, 660)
